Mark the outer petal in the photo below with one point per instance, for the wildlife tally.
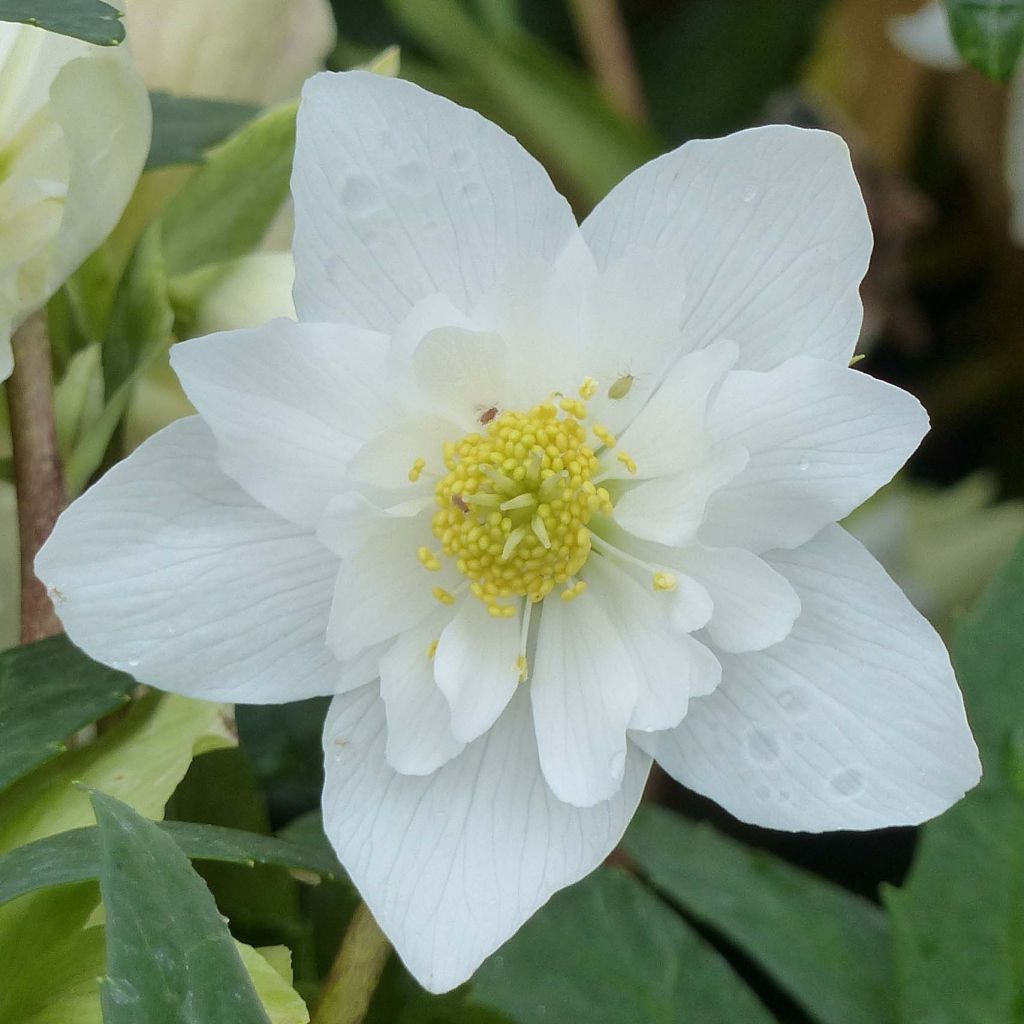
(400, 194)
(773, 231)
(822, 439)
(670, 666)
(420, 736)
(925, 36)
(583, 686)
(452, 865)
(855, 721)
(288, 404)
(1015, 158)
(475, 668)
(167, 569)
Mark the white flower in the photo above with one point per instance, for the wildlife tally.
(256, 51)
(386, 488)
(926, 36)
(74, 134)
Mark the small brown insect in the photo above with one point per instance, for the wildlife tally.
(459, 503)
(488, 414)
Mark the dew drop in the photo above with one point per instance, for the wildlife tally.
(762, 747)
(763, 792)
(360, 196)
(804, 464)
(750, 195)
(848, 782)
(134, 662)
(797, 702)
(412, 176)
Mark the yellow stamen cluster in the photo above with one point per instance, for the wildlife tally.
(514, 507)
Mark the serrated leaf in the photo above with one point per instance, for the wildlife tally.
(825, 946)
(989, 34)
(48, 691)
(225, 209)
(91, 20)
(186, 127)
(170, 956)
(608, 950)
(958, 921)
(73, 856)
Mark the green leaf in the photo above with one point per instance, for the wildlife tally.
(988, 33)
(91, 20)
(225, 209)
(170, 956)
(73, 856)
(139, 331)
(958, 921)
(825, 946)
(606, 951)
(185, 127)
(48, 691)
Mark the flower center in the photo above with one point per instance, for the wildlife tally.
(514, 507)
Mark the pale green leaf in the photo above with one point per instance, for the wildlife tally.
(988, 33)
(186, 127)
(91, 20)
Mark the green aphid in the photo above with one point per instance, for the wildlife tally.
(621, 387)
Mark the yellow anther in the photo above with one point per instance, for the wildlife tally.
(443, 596)
(588, 388)
(621, 387)
(417, 468)
(604, 435)
(857, 358)
(428, 559)
(432, 649)
(664, 581)
(627, 461)
(571, 593)
(574, 407)
(523, 666)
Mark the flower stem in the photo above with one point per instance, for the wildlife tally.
(37, 467)
(355, 973)
(606, 43)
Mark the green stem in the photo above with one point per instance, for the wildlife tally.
(37, 467)
(355, 973)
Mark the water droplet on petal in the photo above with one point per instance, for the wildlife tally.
(796, 702)
(360, 196)
(750, 195)
(804, 464)
(413, 176)
(848, 782)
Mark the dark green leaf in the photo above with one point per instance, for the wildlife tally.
(988, 33)
(606, 951)
(825, 946)
(958, 922)
(48, 691)
(185, 127)
(91, 20)
(170, 956)
(225, 209)
(74, 856)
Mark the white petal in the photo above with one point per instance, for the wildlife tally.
(400, 194)
(773, 232)
(167, 569)
(925, 36)
(384, 589)
(822, 439)
(670, 666)
(855, 721)
(475, 668)
(755, 606)
(667, 434)
(453, 864)
(1015, 157)
(583, 687)
(386, 459)
(253, 290)
(288, 404)
(670, 509)
(420, 736)
(351, 521)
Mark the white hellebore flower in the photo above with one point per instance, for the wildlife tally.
(534, 515)
(74, 134)
(926, 37)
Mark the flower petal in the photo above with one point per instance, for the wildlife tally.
(289, 404)
(400, 194)
(383, 589)
(670, 509)
(583, 687)
(773, 231)
(453, 864)
(475, 667)
(351, 521)
(167, 569)
(386, 459)
(822, 439)
(854, 721)
(925, 35)
(670, 666)
(420, 736)
(755, 606)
